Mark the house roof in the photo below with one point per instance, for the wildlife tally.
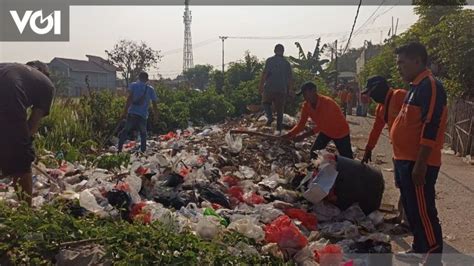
(81, 65)
(102, 62)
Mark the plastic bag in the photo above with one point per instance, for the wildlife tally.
(285, 233)
(230, 180)
(248, 228)
(207, 227)
(236, 192)
(211, 212)
(308, 220)
(330, 255)
(88, 202)
(253, 198)
(234, 144)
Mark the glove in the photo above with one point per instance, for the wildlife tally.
(367, 156)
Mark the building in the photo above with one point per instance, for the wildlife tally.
(96, 71)
(369, 50)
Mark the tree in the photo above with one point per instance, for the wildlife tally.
(242, 71)
(61, 83)
(312, 62)
(132, 58)
(198, 76)
(451, 46)
(431, 11)
(218, 80)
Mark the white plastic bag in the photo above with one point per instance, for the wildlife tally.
(248, 228)
(234, 143)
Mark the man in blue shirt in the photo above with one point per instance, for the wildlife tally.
(136, 110)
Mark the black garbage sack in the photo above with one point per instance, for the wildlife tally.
(358, 183)
(213, 194)
(122, 201)
(173, 180)
(171, 198)
(371, 246)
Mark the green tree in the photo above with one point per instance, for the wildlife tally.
(61, 84)
(132, 58)
(218, 80)
(451, 46)
(243, 70)
(313, 62)
(198, 76)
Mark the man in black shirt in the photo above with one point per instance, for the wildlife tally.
(22, 87)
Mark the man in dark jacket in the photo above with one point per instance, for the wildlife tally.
(275, 85)
(22, 87)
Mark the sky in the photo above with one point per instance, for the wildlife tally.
(94, 29)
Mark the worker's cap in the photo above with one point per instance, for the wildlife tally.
(40, 66)
(308, 85)
(373, 83)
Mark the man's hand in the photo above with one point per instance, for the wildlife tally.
(418, 174)
(367, 156)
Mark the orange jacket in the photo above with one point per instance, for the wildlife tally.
(327, 116)
(386, 116)
(342, 96)
(421, 121)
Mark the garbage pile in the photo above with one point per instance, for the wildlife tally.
(211, 182)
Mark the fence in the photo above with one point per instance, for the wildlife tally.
(460, 127)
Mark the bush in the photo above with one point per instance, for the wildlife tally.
(33, 237)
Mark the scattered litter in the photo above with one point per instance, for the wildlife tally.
(203, 180)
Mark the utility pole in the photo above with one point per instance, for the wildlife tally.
(392, 29)
(396, 27)
(223, 38)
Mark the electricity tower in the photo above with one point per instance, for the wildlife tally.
(188, 45)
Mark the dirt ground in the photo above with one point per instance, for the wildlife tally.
(454, 193)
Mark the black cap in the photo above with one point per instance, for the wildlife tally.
(375, 83)
(308, 85)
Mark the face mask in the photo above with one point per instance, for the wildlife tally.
(379, 94)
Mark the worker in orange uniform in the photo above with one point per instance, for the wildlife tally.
(342, 95)
(330, 122)
(417, 136)
(389, 102)
(349, 101)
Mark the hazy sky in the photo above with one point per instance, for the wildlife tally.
(94, 29)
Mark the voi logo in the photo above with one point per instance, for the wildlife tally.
(38, 24)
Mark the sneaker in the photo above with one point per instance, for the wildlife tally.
(409, 256)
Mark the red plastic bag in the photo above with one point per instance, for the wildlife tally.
(216, 206)
(137, 213)
(237, 193)
(308, 220)
(130, 145)
(285, 233)
(254, 198)
(169, 136)
(330, 255)
(142, 170)
(123, 186)
(184, 172)
(230, 180)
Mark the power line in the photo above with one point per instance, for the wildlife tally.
(367, 20)
(353, 25)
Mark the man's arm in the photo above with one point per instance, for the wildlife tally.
(300, 126)
(262, 81)
(374, 136)
(432, 108)
(128, 104)
(34, 120)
